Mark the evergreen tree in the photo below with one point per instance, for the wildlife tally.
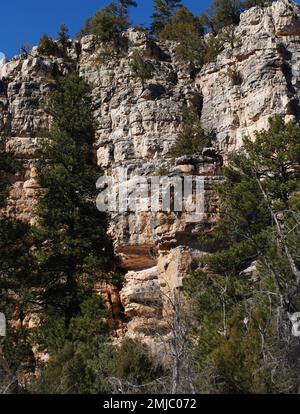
(220, 14)
(124, 4)
(81, 355)
(184, 28)
(63, 34)
(47, 46)
(247, 4)
(8, 166)
(163, 11)
(180, 25)
(245, 335)
(73, 251)
(108, 23)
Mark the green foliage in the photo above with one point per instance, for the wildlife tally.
(141, 69)
(239, 350)
(224, 13)
(275, 155)
(63, 34)
(192, 139)
(105, 26)
(163, 11)
(108, 23)
(213, 45)
(16, 356)
(247, 4)
(134, 366)
(84, 361)
(127, 3)
(245, 217)
(198, 50)
(244, 335)
(50, 271)
(14, 242)
(15, 278)
(15, 268)
(235, 76)
(228, 35)
(193, 47)
(191, 50)
(8, 166)
(47, 46)
(180, 25)
(16, 300)
(72, 249)
(185, 28)
(220, 14)
(81, 355)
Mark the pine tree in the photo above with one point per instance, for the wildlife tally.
(124, 4)
(163, 11)
(220, 14)
(47, 46)
(181, 24)
(15, 243)
(81, 354)
(73, 251)
(245, 338)
(108, 23)
(63, 34)
(185, 28)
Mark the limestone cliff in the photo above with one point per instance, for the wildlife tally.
(137, 126)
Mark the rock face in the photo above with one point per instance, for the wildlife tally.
(266, 56)
(136, 127)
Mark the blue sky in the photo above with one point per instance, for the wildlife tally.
(25, 21)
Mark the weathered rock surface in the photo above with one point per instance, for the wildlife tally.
(137, 126)
(266, 55)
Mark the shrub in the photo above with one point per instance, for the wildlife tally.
(235, 76)
(141, 68)
(213, 46)
(80, 358)
(47, 46)
(192, 139)
(134, 367)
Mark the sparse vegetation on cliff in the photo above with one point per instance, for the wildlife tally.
(47, 46)
(163, 11)
(74, 324)
(192, 138)
(141, 68)
(108, 23)
(242, 318)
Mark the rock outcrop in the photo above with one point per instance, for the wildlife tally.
(136, 127)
